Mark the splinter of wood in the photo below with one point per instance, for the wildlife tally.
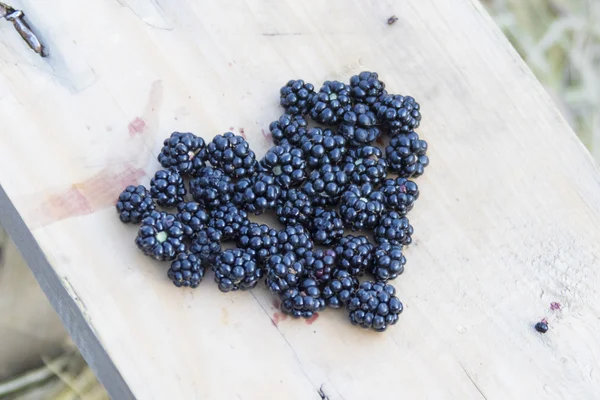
(17, 18)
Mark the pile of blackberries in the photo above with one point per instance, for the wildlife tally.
(321, 180)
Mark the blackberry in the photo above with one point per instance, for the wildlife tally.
(288, 129)
(294, 238)
(327, 226)
(185, 152)
(211, 187)
(167, 188)
(340, 289)
(400, 194)
(325, 185)
(256, 194)
(232, 153)
(375, 306)
(302, 301)
(328, 106)
(236, 269)
(258, 239)
(207, 245)
(284, 271)
(294, 207)
(186, 271)
(193, 217)
(161, 236)
(322, 146)
(365, 165)
(320, 264)
(407, 155)
(366, 87)
(400, 114)
(228, 220)
(354, 254)
(295, 96)
(541, 327)
(393, 228)
(134, 203)
(286, 164)
(358, 126)
(388, 262)
(361, 207)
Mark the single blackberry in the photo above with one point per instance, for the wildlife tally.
(361, 207)
(286, 163)
(185, 152)
(400, 114)
(358, 126)
(322, 146)
(354, 254)
(284, 271)
(340, 289)
(327, 226)
(257, 193)
(193, 217)
(167, 188)
(365, 165)
(161, 236)
(375, 306)
(388, 262)
(186, 271)
(232, 153)
(325, 185)
(211, 187)
(228, 220)
(366, 87)
(134, 203)
(407, 155)
(258, 239)
(302, 301)
(295, 96)
(294, 207)
(236, 269)
(328, 106)
(541, 327)
(400, 194)
(320, 264)
(294, 238)
(288, 129)
(393, 228)
(207, 245)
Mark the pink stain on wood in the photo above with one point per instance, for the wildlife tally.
(309, 321)
(136, 126)
(544, 320)
(243, 133)
(278, 317)
(267, 135)
(276, 303)
(555, 306)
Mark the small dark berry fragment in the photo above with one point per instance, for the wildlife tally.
(186, 271)
(541, 327)
(134, 203)
(167, 188)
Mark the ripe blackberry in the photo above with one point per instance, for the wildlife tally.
(211, 187)
(354, 254)
(328, 106)
(258, 239)
(207, 245)
(236, 269)
(325, 185)
(232, 153)
(375, 306)
(365, 165)
(400, 114)
(284, 271)
(320, 264)
(322, 146)
(302, 301)
(294, 207)
(167, 188)
(288, 129)
(286, 163)
(295, 96)
(185, 152)
(366, 87)
(257, 193)
(294, 238)
(400, 194)
(134, 203)
(186, 271)
(228, 220)
(161, 236)
(361, 207)
(340, 289)
(407, 155)
(327, 226)
(393, 228)
(193, 217)
(358, 126)
(388, 262)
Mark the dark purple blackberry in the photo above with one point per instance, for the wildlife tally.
(366, 87)
(257, 193)
(365, 165)
(303, 301)
(228, 220)
(284, 271)
(388, 262)
(295, 96)
(167, 188)
(358, 126)
(294, 238)
(134, 203)
(327, 226)
(323, 146)
(328, 106)
(354, 254)
(186, 271)
(260, 240)
(375, 306)
(393, 228)
(286, 163)
(400, 114)
(400, 194)
(161, 236)
(340, 289)
(236, 269)
(207, 245)
(211, 187)
(288, 129)
(325, 185)
(294, 207)
(193, 217)
(320, 264)
(232, 154)
(361, 207)
(407, 155)
(185, 152)
(541, 327)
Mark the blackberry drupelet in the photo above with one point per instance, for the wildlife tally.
(541, 327)
(393, 228)
(258, 239)
(329, 104)
(388, 262)
(286, 163)
(284, 271)
(327, 226)
(294, 207)
(236, 269)
(193, 217)
(295, 96)
(407, 155)
(354, 254)
(400, 114)
(375, 306)
(134, 203)
(294, 238)
(325, 185)
(302, 301)
(167, 188)
(400, 194)
(359, 126)
(161, 236)
(207, 245)
(185, 152)
(186, 271)
(322, 146)
(366, 87)
(365, 165)
(340, 289)
(361, 207)
(257, 193)
(232, 154)
(320, 264)
(288, 129)
(228, 220)
(211, 187)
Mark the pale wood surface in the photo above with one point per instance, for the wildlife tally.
(507, 222)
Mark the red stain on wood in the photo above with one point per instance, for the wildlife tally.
(267, 135)
(544, 320)
(555, 306)
(379, 141)
(243, 133)
(136, 126)
(309, 321)
(277, 317)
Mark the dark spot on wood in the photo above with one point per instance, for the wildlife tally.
(392, 20)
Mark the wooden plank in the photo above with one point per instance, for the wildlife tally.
(507, 222)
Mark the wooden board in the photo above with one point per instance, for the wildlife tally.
(507, 222)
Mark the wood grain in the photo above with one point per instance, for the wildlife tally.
(507, 222)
